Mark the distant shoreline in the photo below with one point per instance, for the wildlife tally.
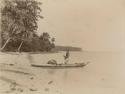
(10, 52)
(57, 49)
(65, 48)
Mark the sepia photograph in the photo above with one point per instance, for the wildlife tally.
(62, 46)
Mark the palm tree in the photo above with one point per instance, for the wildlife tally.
(45, 36)
(19, 20)
(52, 43)
(53, 40)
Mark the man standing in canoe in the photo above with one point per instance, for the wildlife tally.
(66, 57)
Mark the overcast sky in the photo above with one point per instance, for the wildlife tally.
(90, 24)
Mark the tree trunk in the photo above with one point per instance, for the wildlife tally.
(5, 44)
(20, 46)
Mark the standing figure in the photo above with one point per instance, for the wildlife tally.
(66, 57)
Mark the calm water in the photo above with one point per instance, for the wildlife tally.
(104, 75)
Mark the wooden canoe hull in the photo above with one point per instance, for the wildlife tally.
(60, 65)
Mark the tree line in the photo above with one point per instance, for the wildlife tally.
(19, 27)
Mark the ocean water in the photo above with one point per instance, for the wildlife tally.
(105, 74)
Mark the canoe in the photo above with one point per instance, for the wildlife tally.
(60, 65)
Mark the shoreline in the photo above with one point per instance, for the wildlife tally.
(52, 52)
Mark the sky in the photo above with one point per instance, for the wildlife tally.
(90, 24)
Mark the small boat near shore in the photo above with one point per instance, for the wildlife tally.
(74, 65)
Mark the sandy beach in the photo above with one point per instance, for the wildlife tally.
(104, 75)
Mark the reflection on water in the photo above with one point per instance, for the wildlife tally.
(65, 75)
(30, 58)
(51, 71)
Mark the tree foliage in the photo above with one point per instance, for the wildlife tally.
(19, 23)
(19, 18)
